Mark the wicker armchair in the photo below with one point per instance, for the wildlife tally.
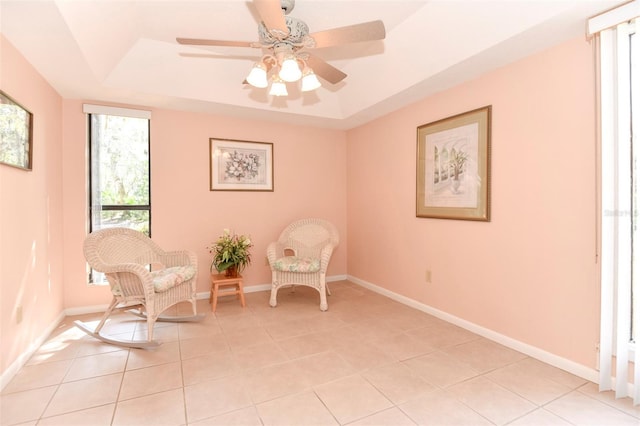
(141, 275)
(301, 257)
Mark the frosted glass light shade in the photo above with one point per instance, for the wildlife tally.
(278, 88)
(289, 70)
(310, 81)
(258, 76)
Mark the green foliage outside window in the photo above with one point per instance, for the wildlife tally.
(122, 157)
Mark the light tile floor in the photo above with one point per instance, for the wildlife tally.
(366, 361)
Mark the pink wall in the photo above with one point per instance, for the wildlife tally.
(530, 273)
(310, 172)
(30, 215)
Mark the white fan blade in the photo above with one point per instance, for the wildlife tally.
(366, 31)
(328, 72)
(273, 17)
(205, 42)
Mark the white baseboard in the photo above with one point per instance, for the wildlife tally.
(534, 352)
(337, 278)
(81, 310)
(267, 287)
(12, 370)
(92, 309)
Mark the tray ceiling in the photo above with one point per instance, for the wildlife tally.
(125, 51)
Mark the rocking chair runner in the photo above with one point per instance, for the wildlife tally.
(301, 257)
(141, 275)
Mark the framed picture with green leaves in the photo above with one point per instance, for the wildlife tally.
(453, 171)
(16, 134)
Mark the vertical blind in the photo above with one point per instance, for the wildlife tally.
(612, 31)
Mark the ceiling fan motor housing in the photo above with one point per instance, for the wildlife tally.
(298, 30)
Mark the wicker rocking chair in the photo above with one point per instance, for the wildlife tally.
(143, 276)
(301, 257)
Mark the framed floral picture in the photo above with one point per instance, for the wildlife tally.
(16, 134)
(240, 165)
(453, 171)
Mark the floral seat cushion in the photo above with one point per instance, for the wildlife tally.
(297, 264)
(164, 279)
(167, 278)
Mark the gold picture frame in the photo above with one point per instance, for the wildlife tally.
(236, 165)
(16, 134)
(453, 171)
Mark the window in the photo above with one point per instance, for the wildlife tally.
(618, 51)
(119, 172)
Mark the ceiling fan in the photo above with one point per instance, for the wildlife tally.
(285, 39)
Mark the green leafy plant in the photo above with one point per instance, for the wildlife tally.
(231, 250)
(458, 159)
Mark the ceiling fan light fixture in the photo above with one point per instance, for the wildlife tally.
(284, 39)
(278, 87)
(289, 69)
(258, 76)
(309, 80)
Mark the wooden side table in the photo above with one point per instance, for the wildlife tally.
(222, 282)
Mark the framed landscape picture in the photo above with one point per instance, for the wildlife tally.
(453, 171)
(240, 165)
(16, 134)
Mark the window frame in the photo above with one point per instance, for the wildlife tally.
(116, 207)
(127, 113)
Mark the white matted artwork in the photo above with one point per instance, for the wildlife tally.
(453, 165)
(240, 165)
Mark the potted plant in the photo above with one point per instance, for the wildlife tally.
(231, 253)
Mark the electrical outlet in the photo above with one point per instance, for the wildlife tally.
(19, 314)
(427, 276)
